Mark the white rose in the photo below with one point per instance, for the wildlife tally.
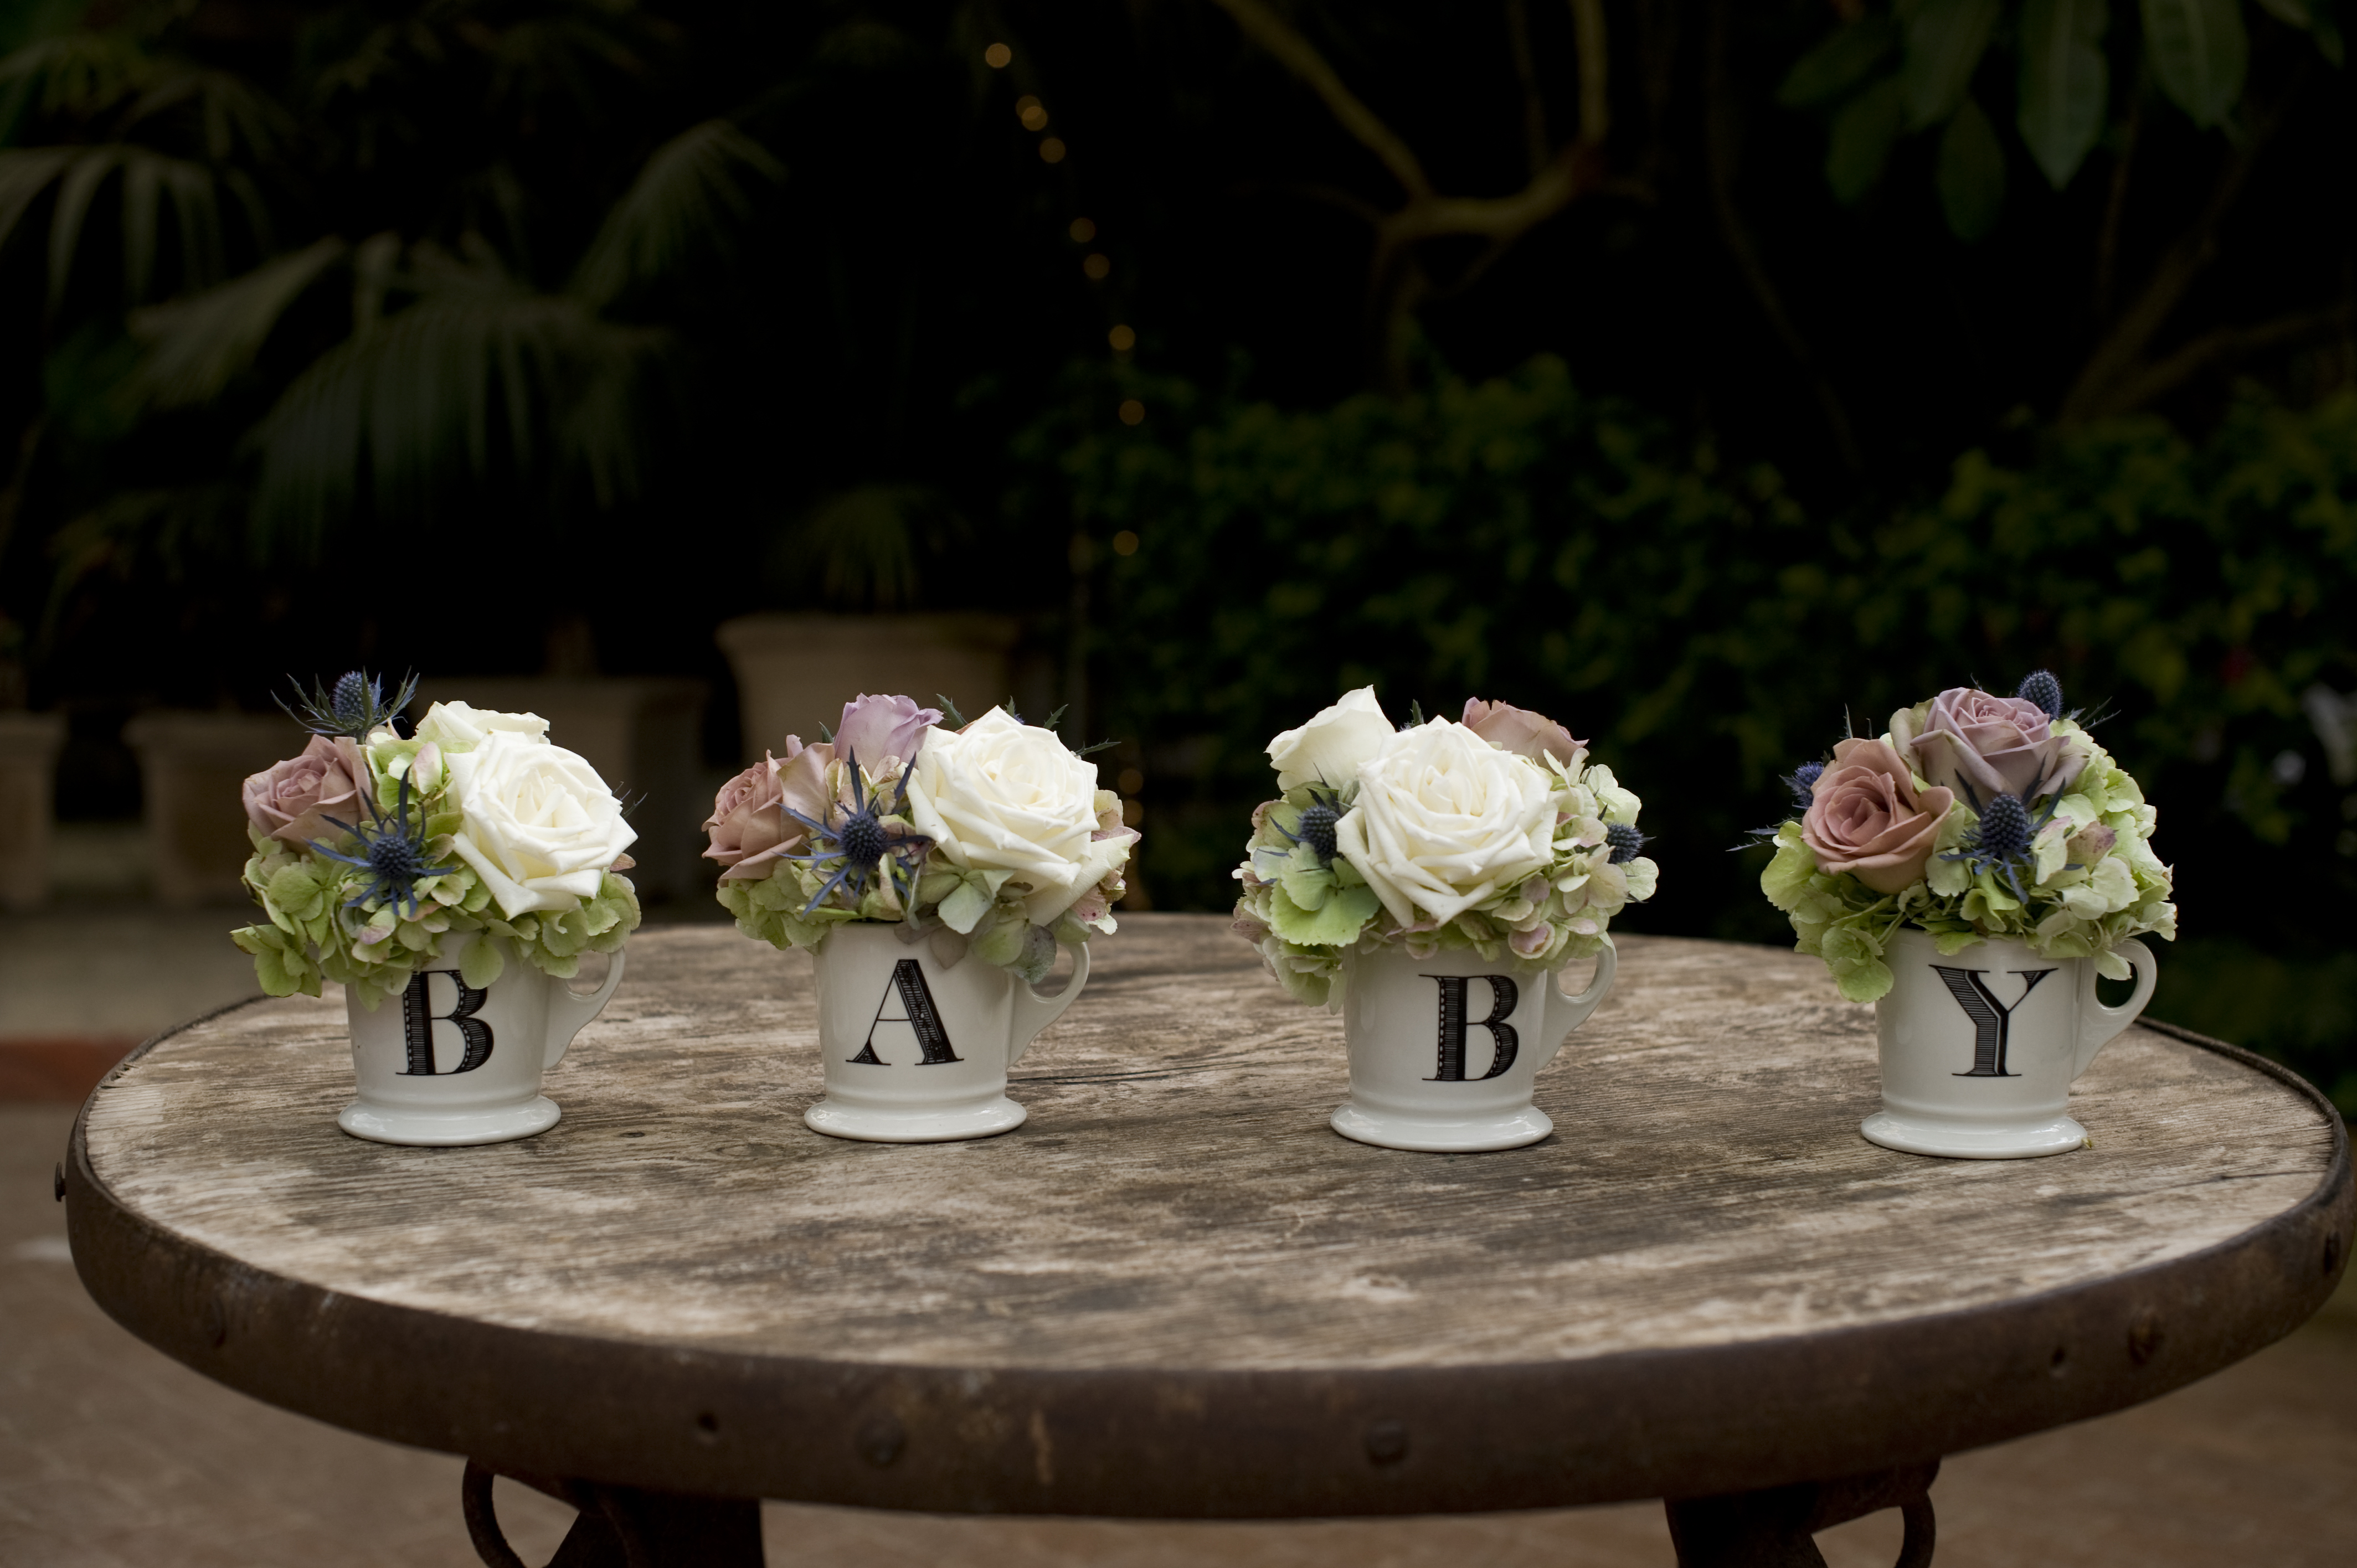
(457, 724)
(1445, 821)
(1331, 746)
(1005, 797)
(540, 827)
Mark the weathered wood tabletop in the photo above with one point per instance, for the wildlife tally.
(1175, 1290)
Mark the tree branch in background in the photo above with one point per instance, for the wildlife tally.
(1721, 138)
(2115, 205)
(1595, 95)
(2108, 383)
(1299, 56)
(2153, 380)
(1396, 281)
(1537, 144)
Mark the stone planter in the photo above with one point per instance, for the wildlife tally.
(28, 770)
(645, 738)
(192, 770)
(794, 672)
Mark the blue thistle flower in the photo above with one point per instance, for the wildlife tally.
(394, 858)
(1318, 819)
(356, 706)
(1802, 782)
(2002, 840)
(860, 840)
(2039, 686)
(1627, 843)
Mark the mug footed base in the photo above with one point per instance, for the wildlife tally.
(869, 1124)
(1947, 1140)
(442, 1130)
(1474, 1136)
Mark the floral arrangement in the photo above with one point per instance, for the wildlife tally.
(369, 849)
(1974, 817)
(1491, 834)
(990, 837)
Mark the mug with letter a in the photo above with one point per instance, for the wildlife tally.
(1980, 1048)
(443, 1062)
(917, 1051)
(1444, 1049)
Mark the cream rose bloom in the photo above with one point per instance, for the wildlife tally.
(1446, 820)
(458, 724)
(542, 828)
(1331, 746)
(999, 796)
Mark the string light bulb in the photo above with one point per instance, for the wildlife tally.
(997, 57)
(1097, 265)
(1121, 338)
(1082, 231)
(1051, 150)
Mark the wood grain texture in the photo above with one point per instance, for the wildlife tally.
(1177, 1200)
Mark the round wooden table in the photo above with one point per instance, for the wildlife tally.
(1175, 1292)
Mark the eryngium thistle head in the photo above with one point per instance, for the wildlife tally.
(862, 838)
(1627, 843)
(1802, 782)
(1318, 830)
(2004, 830)
(2039, 686)
(355, 708)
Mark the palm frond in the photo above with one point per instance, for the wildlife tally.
(25, 173)
(195, 346)
(147, 175)
(686, 190)
(414, 400)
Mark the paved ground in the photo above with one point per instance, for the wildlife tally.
(113, 1455)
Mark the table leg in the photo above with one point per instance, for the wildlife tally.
(1773, 1529)
(623, 1527)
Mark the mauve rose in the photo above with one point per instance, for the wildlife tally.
(1522, 732)
(750, 830)
(1870, 820)
(876, 729)
(1983, 747)
(292, 800)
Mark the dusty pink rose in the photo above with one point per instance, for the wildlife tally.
(1870, 820)
(877, 729)
(292, 800)
(1522, 732)
(1980, 745)
(749, 827)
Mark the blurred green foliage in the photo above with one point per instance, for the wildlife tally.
(1516, 539)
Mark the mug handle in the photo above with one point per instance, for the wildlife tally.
(1034, 1012)
(568, 1014)
(2098, 1023)
(1608, 964)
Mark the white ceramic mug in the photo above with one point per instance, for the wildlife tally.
(1980, 1048)
(1444, 1049)
(917, 1051)
(442, 1063)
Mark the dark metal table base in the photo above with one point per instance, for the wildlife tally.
(623, 1527)
(1773, 1529)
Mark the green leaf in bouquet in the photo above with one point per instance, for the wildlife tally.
(1946, 40)
(1786, 879)
(299, 889)
(1001, 941)
(481, 961)
(563, 935)
(1336, 921)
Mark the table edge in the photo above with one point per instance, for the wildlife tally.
(1690, 1421)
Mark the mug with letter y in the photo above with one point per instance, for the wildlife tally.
(1979, 1048)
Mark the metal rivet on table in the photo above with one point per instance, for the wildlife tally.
(1386, 1442)
(2144, 1339)
(880, 1439)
